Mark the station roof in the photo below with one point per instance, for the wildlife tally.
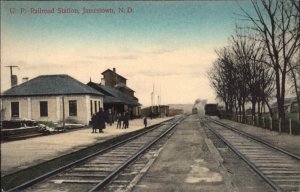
(46, 85)
(122, 85)
(113, 95)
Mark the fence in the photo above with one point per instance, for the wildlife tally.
(289, 126)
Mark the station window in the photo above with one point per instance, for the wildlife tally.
(99, 105)
(95, 103)
(73, 108)
(43, 108)
(15, 109)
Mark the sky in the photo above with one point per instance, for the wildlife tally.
(165, 45)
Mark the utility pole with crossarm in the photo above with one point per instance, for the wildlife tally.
(11, 74)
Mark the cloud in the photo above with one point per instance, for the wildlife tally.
(150, 49)
(161, 50)
(159, 73)
(192, 70)
(169, 73)
(19, 62)
(113, 57)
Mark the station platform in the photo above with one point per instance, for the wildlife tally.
(20, 154)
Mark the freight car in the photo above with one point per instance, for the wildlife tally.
(211, 109)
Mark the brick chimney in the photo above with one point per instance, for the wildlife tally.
(14, 80)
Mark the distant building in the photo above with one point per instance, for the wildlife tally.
(51, 98)
(173, 111)
(156, 111)
(118, 97)
(290, 105)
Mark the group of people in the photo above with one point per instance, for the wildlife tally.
(100, 118)
(123, 118)
(98, 121)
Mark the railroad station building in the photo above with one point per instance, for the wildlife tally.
(51, 98)
(118, 97)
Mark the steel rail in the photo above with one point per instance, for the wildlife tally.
(257, 170)
(131, 159)
(257, 139)
(44, 176)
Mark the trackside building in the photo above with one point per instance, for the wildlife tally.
(51, 98)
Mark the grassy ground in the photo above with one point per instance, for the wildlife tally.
(293, 116)
(290, 125)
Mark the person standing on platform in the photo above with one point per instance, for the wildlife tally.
(94, 123)
(145, 121)
(110, 117)
(126, 120)
(101, 119)
(123, 119)
(119, 120)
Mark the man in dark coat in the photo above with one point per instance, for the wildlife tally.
(101, 120)
(119, 120)
(145, 121)
(110, 119)
(94, 123)
(126, 121)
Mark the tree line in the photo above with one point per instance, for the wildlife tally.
(260, 59)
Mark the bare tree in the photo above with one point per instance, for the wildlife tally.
(296, 4)
(267, 88)
(239, 75)
(222, 79)
(295, 78)
(277, 25)
(295, 63)
(225, 62)
(256, 78)
(216, 80)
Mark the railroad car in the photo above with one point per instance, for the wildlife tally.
(211, 109)
(194, 110)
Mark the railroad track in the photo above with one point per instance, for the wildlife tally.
(131, 175)
(279, 168)
(93, 173)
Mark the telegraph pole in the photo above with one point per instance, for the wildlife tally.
(63, 109)
(11, 73)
